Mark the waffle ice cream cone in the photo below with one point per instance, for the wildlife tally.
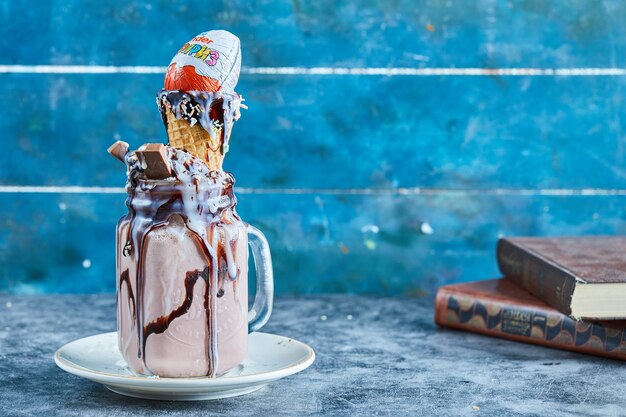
(208, 146)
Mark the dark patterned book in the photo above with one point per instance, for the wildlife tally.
(583, 277)
(502, 309)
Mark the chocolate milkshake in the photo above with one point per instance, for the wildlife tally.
(182, 250)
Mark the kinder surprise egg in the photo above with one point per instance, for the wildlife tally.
(209, 62)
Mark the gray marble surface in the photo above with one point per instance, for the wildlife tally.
(375, 356)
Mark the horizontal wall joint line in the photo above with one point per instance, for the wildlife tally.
(556, 192)
(297, 70)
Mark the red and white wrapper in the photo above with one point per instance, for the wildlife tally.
(210, 62)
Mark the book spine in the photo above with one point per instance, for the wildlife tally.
(546, 280)
(546, 327)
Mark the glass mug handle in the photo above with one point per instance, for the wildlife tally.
(264, 297)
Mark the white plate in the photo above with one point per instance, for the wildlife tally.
(270, 357)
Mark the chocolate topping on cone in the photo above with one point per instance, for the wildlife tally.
(200, 122)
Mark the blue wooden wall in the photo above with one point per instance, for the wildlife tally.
(387, 184)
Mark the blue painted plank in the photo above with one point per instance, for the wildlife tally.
(322, 132)
(320, 243)
(335, 132)
(482, 33)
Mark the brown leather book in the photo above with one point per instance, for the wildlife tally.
(583, 277)
(502, 309)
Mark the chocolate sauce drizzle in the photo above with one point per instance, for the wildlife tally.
(125, 278)
(161, 324)
(206, 202)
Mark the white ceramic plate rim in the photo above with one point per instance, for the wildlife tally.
(226, 381)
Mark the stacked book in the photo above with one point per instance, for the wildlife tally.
(565, 293)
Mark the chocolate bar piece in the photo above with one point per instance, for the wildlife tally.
(119, 150)
(153, 158)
